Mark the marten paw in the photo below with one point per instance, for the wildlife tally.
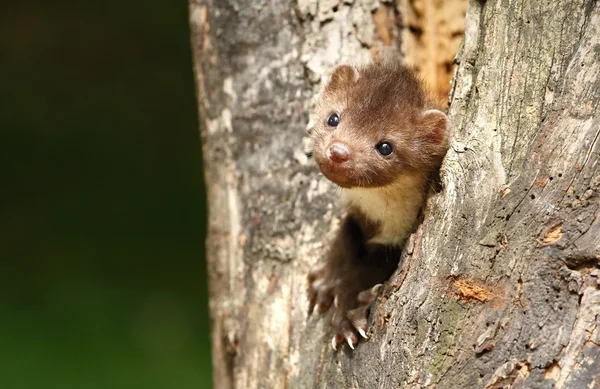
(348, 324)
(320, 288)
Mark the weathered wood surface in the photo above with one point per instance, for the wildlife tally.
(499, 286)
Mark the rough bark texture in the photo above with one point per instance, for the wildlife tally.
(499, 286)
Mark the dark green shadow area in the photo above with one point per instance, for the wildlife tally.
(102, 205)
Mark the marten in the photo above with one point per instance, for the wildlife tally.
(377, 136)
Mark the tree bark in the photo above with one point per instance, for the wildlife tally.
(499, 286)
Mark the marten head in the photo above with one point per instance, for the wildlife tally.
(372, 125)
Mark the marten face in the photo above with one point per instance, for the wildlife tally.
(371, 126)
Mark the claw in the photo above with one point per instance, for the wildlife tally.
(376, 288)
(367, 296)
(321, 308)
(363, 333)
(336, 301)
(350, 343)
(337, 339)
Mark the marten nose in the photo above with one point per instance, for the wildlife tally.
(338, 153)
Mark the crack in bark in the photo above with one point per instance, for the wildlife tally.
(591, 148)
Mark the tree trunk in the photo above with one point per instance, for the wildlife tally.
(498, 287)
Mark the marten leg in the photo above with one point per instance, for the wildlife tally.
(354, 294)
(343, 256)
(351, 277)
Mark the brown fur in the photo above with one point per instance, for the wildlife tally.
(382, 194)
(379, 102)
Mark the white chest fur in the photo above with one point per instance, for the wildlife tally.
(395, 207)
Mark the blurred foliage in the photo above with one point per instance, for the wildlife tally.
(102, 214)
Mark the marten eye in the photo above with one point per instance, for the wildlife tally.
(333, 120)
(384, 148)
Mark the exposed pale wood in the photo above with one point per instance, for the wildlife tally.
(431, 33)
(499, 287)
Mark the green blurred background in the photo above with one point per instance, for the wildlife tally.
(102, 207)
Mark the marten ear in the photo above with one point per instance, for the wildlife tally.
(342, 76)
(435, 126)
